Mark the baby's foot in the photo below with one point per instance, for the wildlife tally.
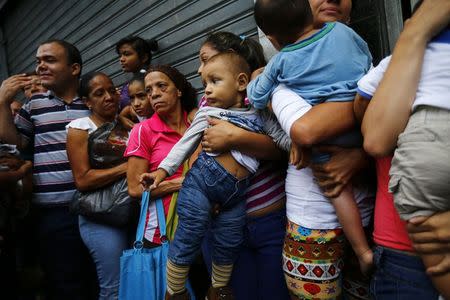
(366, 261)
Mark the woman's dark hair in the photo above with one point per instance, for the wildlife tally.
(248, 48)
(188, 94)
(141, 46)
(139, 77)
(283, 19)
(85, 80)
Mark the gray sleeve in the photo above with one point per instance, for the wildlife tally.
(273, 129)
(186, 145)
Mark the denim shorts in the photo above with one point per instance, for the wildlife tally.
(207, 184)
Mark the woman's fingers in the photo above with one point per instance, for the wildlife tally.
(441, 268)
(431, 248)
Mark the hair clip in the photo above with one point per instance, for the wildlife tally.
(242, 36)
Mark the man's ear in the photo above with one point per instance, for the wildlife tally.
(179, 93)
(242, 81)
(76, 69)
(275, 43)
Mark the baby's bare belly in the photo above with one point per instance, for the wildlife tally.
(227, 161)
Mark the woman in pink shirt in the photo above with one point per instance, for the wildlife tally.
(172, 98)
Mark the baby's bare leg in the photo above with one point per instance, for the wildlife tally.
(348, 214)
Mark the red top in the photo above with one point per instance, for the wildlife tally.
(390, 230)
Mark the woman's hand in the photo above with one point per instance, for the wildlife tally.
(223, 136)
(335, 174)
(432, 236)
(300, 157)
(220, 136)
(177, 180)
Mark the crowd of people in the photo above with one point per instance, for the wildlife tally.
(315, 175)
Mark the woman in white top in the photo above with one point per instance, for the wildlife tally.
(314, 247)
(105, 242)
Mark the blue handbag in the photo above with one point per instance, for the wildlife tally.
(143, 271)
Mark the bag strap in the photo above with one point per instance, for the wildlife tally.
(172, 216)
(138, 243)
(161, 220)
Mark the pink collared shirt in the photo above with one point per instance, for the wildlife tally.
(152, 140)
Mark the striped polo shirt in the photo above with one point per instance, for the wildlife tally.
(44, 119)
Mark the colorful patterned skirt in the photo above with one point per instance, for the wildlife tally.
(313, 262)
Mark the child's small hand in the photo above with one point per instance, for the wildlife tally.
(299, 156)
(153, 178)
(26, 167)
(12, 162)
(127, 123)
(366, 262)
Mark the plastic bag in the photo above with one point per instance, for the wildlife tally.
(106, 146)
(109, 205)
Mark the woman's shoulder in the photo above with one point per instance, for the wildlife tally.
(142, 129)
(84, 123)
(148, 123)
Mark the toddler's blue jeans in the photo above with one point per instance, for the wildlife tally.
(207, 184)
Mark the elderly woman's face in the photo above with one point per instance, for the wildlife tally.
(330, 11)
(103, 98)
(162, 92)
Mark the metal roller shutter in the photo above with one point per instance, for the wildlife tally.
(179, 26)
(95, 26)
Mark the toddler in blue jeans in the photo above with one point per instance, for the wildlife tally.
(213, 190)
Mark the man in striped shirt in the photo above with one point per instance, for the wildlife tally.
(42, 121)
